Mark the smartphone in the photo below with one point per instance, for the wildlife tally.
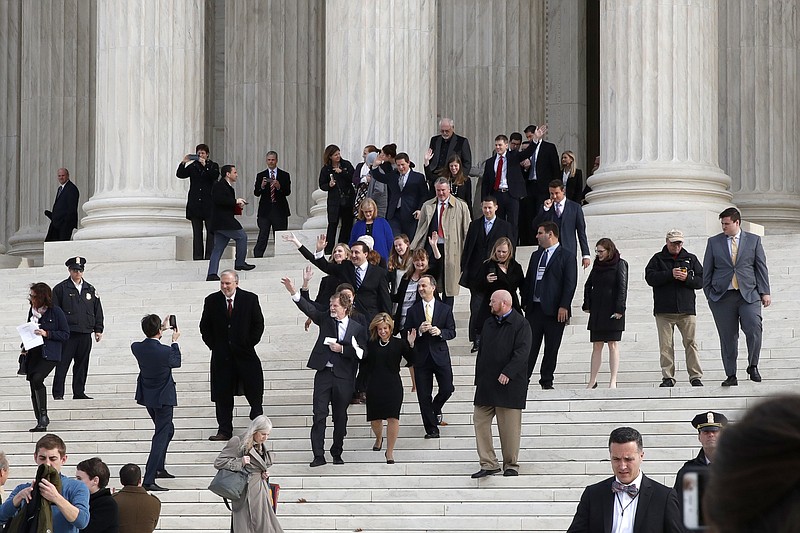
(173, 322)
(693, 484)
(194, 157)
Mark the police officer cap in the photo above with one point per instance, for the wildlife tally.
(709, 421)
(76, 263)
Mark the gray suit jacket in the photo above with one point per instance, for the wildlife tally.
(751, 267)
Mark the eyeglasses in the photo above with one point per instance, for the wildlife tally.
(599, 250)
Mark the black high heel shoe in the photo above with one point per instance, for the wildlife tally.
(388, 461)
(378, 448)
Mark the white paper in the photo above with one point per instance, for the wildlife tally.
(359, 350)
(29, 338)
(329, 340)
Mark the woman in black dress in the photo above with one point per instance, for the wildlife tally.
(336, 177)
(604, 297)
(460, 182)
(51, 324)
(384, 389)
(499, 271)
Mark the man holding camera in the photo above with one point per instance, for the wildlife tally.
(202, 173)
(675, 275)
(273, 185)
(155, 389)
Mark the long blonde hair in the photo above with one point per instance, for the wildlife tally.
(574, 164)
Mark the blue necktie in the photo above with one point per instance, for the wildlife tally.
(358, 278)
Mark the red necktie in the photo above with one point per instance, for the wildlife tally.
(499, 173)
(230, 307)
(272, 187)
(441, 226)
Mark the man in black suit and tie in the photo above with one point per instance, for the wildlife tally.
(568, 216)
(539, 169)
(629, 501)
(481, 236)
(443, 146)
(64, 216)
(231, 326)
(435, 325)
(202, 173)
(502, 178)
(547, 298)
(335, 356)
(273, 185)
(736, 283)
(224, 223)
(155, 389)
(370, 281)
(406, 194)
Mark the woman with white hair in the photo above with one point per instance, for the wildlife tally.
(3, 475)
(247, 452)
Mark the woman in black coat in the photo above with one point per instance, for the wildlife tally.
(51, 324)
(604, 297)
(572, 177)
(460, 182)
(500, 272)
(336, 177)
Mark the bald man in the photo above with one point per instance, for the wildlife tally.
(64, 216)
(501, 384)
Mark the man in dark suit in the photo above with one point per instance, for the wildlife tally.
(736, 283)
(231, 326)
(435, 325)
(406, 195)
(443, 146)
(547, 298)
(202, 173)
(138, 511)
(629, 501)
(224, 224)
(568, 216)
(539, 169)
(370, 281)
(155, 389)
(64, 216)
(273, 185)
(502, 178)
(340, 345)
(481, 236)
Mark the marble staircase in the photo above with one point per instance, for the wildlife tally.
(429, 489)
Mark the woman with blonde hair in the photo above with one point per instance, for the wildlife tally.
(572, 177)
(384, 387)
(247, 452)
(499, 272)
(369, 223)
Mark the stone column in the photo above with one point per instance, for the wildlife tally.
(759, 103)
(56, 110)
(273, 94)
(150, 113)
(491, 70)
(659, 127)
(10, 83)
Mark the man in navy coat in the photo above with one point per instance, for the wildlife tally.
(568, 216)
(155, 389)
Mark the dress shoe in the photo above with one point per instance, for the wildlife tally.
(483, 473)
(81, 397)
(58, 397)
(318, 461)
(510, 472)
(754, 374)
(220, 437)
(244, 266)
(595, 385)
(548, 386)
(163, 474)
(730, 382)
(667, 382)
(378, 448)
(337, 460)
(696, 382)
(212, 277)
(152, 487)
(432, 435)
(388, 461)
(475, 347)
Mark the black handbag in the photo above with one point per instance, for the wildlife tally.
(229, 484)
(23, 363)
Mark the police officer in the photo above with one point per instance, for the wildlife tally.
(81, 304)
(708, 426)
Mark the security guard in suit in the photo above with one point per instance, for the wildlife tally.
(81, 304)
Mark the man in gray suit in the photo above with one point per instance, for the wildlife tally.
(736, 283)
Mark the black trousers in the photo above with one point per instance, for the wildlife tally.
(475, 304)
(165, 429)
(430, 407)
(38, 369)
(336, 392)
(77, 348)
(549, 329)
(274, 221)
(336, 213)
(507, 207)
(528, 209)
(224, 409)
(198, 251)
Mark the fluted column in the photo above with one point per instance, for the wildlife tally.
(658, 109)
(274, 74)
(490, 68)
(759, 105)
(10, 83)
(56, 110)
(150, 112)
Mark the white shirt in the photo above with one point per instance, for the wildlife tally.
(565, 178)
(78, 286)
(503, 180)
(533, 161)
(232, 297)
(426, 305)
(623, 520)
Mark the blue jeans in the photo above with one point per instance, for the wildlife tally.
(221, 239)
